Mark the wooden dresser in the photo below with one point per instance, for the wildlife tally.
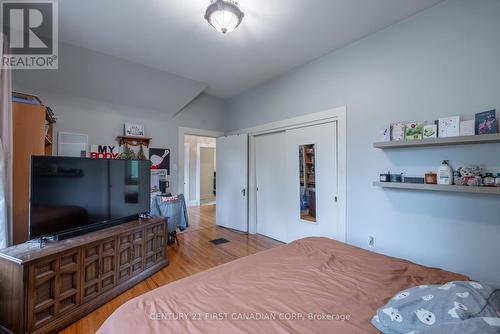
(43, 290)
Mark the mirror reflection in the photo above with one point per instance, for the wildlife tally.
(307, 180)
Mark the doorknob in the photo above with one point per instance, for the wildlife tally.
(243, 192)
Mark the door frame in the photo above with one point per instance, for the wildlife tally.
(186, 161)
(182, 131)
(198, 169)
(338, 115)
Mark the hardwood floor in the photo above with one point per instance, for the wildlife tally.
(196, 253)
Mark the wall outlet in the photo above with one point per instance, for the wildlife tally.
(371, 242)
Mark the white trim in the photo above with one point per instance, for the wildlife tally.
(337, 114)
(295, 122)
(180, 149)
(186, 179)
(198, 168)
(192, 203)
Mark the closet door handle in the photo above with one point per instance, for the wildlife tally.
(243, 192)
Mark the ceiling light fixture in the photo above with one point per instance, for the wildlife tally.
(224, 15)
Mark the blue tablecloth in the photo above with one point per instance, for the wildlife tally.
(174, 208)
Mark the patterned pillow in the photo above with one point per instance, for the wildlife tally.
(428, 307)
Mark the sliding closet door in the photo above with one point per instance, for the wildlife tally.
(232, 182)
(312, 181)
(271, 184)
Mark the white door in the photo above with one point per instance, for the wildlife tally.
(270, 160)
(232, 182)
(320, 144)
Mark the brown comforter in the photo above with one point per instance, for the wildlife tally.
(312, 285)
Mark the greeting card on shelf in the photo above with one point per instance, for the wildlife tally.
(430, 131)
(385, 133)
(414, 131)
(486, 122)
(398, 132)
(449, 127)
(467, 128)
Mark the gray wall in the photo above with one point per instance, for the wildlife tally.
(95, 94)
(443, 62)
(102, 121)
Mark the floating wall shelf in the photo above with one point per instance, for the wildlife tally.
(439, 187)
(461, 140)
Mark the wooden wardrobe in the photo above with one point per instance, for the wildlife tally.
(32, 129)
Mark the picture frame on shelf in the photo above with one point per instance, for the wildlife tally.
(134, 130)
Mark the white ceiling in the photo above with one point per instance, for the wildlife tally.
(275, 36)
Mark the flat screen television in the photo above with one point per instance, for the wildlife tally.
(71, 196)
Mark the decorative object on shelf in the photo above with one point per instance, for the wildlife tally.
(414, 131)
(224, 15)
(141, 155)
(445, 174)
(489, 180)
(104, 152)
(396, 177)
(133, 141)
(430, 131)
(467, 128)
(431, 178)
(398, 132)
(385, 133)
(127, 154)
(458, 178)
(472, 175)
(415, 180)
(497, 180)
(385, 177)
(134, 130)
(486, 122)
(449, 127)
(160, 158)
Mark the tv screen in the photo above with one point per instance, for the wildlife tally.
(70, 194)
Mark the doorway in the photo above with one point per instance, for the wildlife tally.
(200, 170)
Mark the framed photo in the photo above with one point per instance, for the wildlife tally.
(132, 129)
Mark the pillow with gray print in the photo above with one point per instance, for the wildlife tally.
(428, 306)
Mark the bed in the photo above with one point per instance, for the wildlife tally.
(312, 285)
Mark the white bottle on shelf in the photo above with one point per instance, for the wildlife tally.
(445, 174)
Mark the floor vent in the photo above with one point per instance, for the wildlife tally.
(219, 241)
